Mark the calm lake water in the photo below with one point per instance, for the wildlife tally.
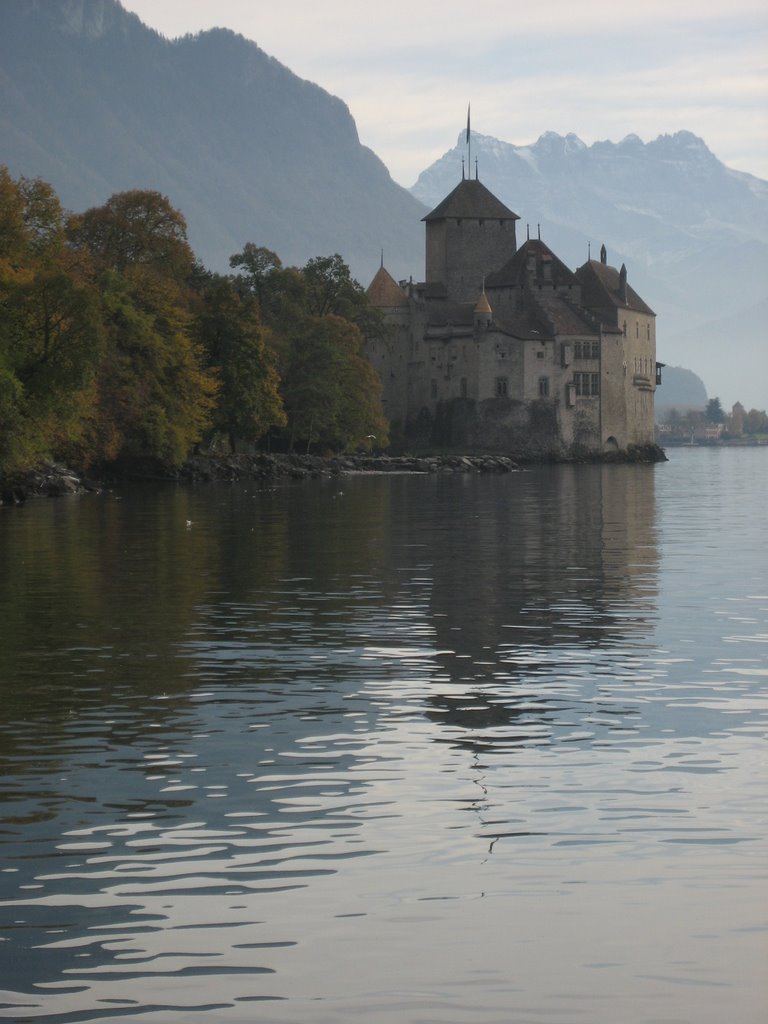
(400, 750)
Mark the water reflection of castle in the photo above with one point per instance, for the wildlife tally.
(542, 573)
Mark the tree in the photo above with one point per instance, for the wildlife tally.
(13, 231)
(135, 229)
(332, 394)
(155, 395)
(714, 411)
(259, 265)
(51, 339)
(756, 422)
(331, 289)
(229, 326)
(156, 398)
(44, 219)
(736, 420)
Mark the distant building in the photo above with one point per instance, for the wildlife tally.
(505, 348)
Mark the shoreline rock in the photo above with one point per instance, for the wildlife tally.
(49, 480)
(53, 479)
(300, 467)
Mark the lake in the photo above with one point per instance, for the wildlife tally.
(397, 749)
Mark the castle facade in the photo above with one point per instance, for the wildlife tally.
(503, 348)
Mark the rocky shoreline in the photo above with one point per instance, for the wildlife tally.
(54, 479)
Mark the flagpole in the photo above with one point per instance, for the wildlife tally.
(469, 145)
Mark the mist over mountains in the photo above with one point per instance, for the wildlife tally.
(95, 102)
(692, 232)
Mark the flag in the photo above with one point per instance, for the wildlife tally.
(468, 124)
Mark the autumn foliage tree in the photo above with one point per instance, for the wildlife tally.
(156, 395)
(116, 346)
(51, 337)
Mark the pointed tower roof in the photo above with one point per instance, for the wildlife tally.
(384, 291)
(483, 305)
(471, 199)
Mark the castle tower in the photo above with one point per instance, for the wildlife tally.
(469, 234)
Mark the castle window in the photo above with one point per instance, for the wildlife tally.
(539, 354)
(624, 329)
(594, 383)
(637, 330)
(502, 387)
(595, 349)
(648, 331)
(543, 387)
(577, 350)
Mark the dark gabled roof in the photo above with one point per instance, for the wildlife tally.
(441, 313)
(514, 273)
(525, 325)
(384, 291)
(564, 316)
(600, 289)
(471, 200)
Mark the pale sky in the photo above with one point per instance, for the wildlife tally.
(599, 68)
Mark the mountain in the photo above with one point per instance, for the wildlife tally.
(95, 102)
(692, 232)
(682, 390)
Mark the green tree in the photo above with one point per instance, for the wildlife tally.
(259, 268)
(331, 289)
(230, 329)
(714, 411)
(332, 394)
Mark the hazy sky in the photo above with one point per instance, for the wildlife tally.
(600, 68)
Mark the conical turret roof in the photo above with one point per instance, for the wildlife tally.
(385, 292)
(483, 305)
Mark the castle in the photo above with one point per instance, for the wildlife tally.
(504, 348)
